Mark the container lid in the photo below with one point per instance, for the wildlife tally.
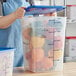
(71, 5)
(31, 10)
(6, 49)
(71, 37)
(40, 11)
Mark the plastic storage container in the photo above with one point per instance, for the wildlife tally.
(71, 12)
(71, 46)
(6, 61)
(70, 49)
(43, 40)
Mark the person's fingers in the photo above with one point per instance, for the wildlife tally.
(19, 13)
(23, 7)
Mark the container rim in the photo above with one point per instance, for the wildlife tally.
(71, 5)
(6, 49)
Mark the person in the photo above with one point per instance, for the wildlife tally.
(10, 28)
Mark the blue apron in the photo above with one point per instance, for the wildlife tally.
(11, 37)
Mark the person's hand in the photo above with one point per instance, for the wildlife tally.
(19, 13)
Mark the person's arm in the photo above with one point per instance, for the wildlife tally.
(6, 21)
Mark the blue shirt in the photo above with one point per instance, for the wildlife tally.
(12, 37)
